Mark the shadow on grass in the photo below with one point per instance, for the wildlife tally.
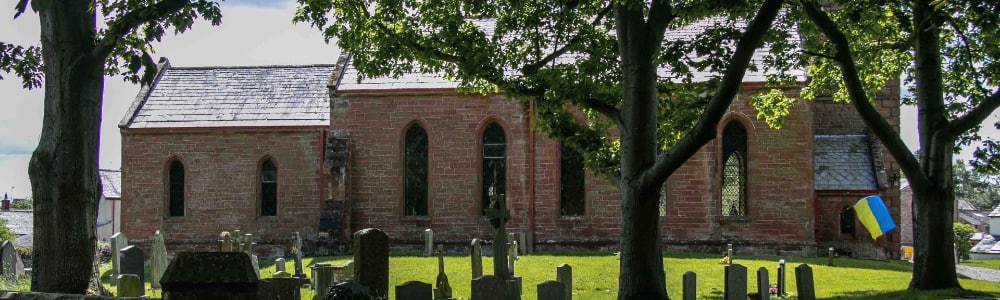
(326, 259)
(906, 294)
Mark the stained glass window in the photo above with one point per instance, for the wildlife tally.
(494, 163)
(176, 189)
(268, 189)
(416, 172)
(734, 170)
(571, 183)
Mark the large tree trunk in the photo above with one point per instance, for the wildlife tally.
(641, 274)
(63, 169)
(934, 264)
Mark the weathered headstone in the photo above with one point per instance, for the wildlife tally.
(281, 274)
(297, 252)
(371, 259)
(690, 286)
(225, 242)
(781, 278)
(477, 258)
(11, 263)
(551, 290)
(428, 242)
(413, 290)
(279, 265)
(265, 290)
(158, 259)
(350, 290)
(118, 241)
(442, 289)
(210, 275)
(736, 282)
(248, 242)
(256, 264)
(804, 282)
(488, 288)
(133, 262)
(129, 285)
(322, 278)
(285, 288)
(522, 243)
(348, 271)
(763, 285)
(512, 254)
(564, 274)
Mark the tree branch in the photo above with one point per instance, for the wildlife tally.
(532, 68)
(131, 20)
(704, 130)
(818, 54)
(605, 109)
(859, 99)
(660, 14)
(975, 116)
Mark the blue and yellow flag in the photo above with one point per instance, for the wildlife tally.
(873, 214)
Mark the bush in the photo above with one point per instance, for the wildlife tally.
(5, 233)
(21, 204)
(963, 232)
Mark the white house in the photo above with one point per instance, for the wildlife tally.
(109, 206)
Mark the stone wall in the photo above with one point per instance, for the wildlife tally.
(222, 183)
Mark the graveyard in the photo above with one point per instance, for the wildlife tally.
(593, 275)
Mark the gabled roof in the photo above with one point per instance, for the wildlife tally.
(965, 205)
(843, 163)
(251, 96)
(352, 81)
(111, 183)
(995, 212)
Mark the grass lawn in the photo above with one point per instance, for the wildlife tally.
(595, 275)
(992, 264)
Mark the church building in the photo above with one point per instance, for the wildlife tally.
(274, 150)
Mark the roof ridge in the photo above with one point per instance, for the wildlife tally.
(253, 67)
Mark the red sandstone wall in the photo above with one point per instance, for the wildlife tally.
(221, 177)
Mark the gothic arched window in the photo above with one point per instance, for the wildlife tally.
(847, 221)
(268, 189)
(494, 163)
(175, 189)
(734, 170)
(415, 158)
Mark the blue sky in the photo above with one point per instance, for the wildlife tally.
(253, 32)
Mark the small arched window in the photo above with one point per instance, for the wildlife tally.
(494, 164)
(268, 189)
(847, 218)
(416, 171)
(734, 170)
(175, 189)
(571, 182)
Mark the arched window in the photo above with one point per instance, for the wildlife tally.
(175, 188)
(571, 182)
(847, 221)
(416, 171)
(494, 164)
(734, 170)
(268, 189)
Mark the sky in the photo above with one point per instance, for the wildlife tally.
(253, 32)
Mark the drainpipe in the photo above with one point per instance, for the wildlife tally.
(531, 172)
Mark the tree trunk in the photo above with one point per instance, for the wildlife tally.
(63, 168)
(934, 264)
(641, 274)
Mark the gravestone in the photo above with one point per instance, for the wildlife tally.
(413, 290)
(225, 242)
(281, 274)
(428, 242)
(736, 282)
(11, 263)
(279, 265)
(551, 290)
(564, 274)
(297, 252)
(477, 258)
(763, 285)
(512, 254)
(371, 260)
(781, 278)
(265, 290)
(488, 288)
(690, 286)
(158, 259)
(442, 290)
(348, 271)
(285, 288)
(522, 243)
(248, 243)
(118, 241)
(322, 278)
(350, 290)
(804, 283)
(133, 262)
(129, 285)
(210, 275)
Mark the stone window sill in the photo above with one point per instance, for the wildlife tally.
(415, 219)
(572, 218)
(267, 218)
(734, 219)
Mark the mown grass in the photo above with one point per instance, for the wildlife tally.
(990, 264)
(595, 275)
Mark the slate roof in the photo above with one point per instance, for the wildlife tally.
(843, 163)
(20, 222)
(965, 205)
(349, 81)
(995, 212)
(111, 183)
(252, 96)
